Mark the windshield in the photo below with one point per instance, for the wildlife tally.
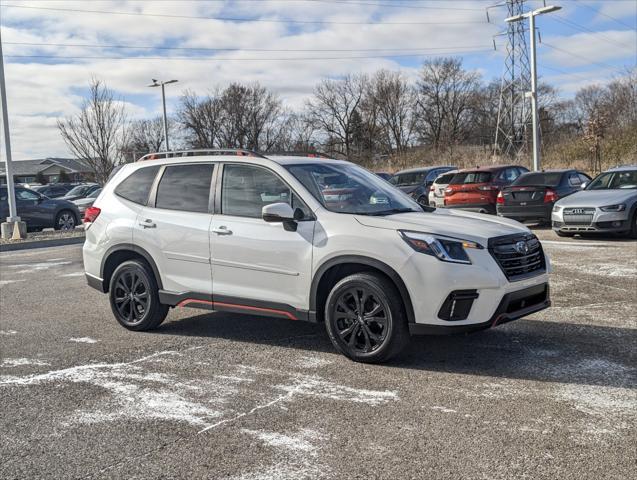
(471, 177)
(551, 179)
(79, 190)
(347, 188)
(614, 180)
(408, 178)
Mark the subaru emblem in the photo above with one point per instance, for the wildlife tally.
(521, 247)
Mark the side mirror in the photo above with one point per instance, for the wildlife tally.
(583, 185)
(277, 212)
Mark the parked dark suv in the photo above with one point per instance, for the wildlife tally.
(533, 194)
(417, 181)
(476, 189)
(39, 211)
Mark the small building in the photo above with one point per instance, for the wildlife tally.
(26, 171)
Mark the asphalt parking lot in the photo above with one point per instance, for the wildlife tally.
(216, 395)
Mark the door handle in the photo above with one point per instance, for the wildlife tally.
(148, 223)
(223, 230)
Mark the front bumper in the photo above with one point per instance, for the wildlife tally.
(513, 305)
(599, 221)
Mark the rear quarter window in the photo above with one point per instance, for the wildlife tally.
(136, 187)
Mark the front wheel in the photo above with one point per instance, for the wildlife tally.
(365, 318)
(134, 297)
(65, 220)
(633, 227)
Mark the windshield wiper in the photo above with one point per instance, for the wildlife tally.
(389, 212)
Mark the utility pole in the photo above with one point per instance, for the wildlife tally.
(533, 93)
(8, 228)
(159, 83)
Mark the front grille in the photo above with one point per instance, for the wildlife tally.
(578, 216)
(519, 256)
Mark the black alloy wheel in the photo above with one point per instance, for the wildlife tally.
(365, 318)
(134, 297)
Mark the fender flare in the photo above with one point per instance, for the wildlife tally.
(371, 262)
(135, 249)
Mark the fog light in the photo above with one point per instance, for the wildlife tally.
(617, 224)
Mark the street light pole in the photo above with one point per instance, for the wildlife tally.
(533, 93)
(160, 83)
(13, 215)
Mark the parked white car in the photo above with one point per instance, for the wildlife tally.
(437, 189)
(304, 239)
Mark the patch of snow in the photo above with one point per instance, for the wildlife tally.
(308, 361)
(37, 267)
(600, 401)
(444, 409)
(288, 442)
(7, 282)
(8, 332)
(18, 362)
(83, 340)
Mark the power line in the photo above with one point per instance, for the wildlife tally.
(582, 28)
(599, 12)
(396, 5)
(572, 54)
(232, 49)
(226, 59)
(574, 74)
(237, 19)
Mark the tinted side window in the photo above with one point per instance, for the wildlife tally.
(584, 178)
(185, 187)
(25, 195)
(136, 187)
(574, 180)
(245, 190)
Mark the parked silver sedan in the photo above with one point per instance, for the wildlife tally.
(83, 203)
(608, 204)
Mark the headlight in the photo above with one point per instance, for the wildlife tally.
(556, 208)
(614, 208)
(445, 249)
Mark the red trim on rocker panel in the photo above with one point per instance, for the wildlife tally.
(187, 301)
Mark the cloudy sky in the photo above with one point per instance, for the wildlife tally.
(52, 48)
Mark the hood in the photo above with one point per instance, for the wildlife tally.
(477, 227)
(597, 198)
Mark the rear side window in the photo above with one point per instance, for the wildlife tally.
(185, 188)
(444, 179)
(471, 177)
(552, 179)
(574, 180)
(137, 185)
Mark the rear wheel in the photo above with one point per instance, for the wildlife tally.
(65, 220)
(633, 228)
(365, 318)
(134, 297)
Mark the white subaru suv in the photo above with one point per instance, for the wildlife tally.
(304, 238)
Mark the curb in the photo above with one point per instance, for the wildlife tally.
(53, 242)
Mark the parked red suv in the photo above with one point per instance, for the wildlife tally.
(476, 189)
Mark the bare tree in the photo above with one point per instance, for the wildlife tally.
(394, 99)
(334, 107)
(145, 136)
(201, 119)
(98, 133)
(445, 96)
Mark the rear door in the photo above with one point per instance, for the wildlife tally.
(259, 264)
(174, 228)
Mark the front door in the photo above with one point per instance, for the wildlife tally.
(174, 229)
(256, 264)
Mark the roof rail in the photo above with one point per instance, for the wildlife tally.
(298, 153)
(238, 152)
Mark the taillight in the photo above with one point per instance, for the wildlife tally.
(500, 198)
(550, 196)
(449, 190)
(91, 214)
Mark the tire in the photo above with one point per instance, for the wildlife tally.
(565, 234)
(65, 220)
(633, 228)
(134, 297)
(423, 200)
(366, 338)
